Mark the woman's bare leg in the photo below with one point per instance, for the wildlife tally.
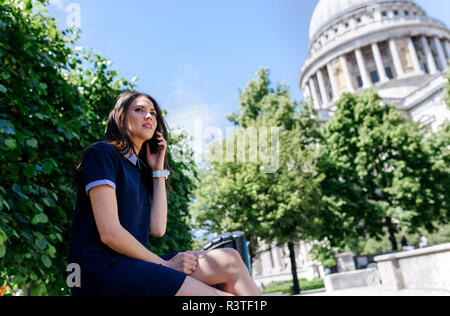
(193, 287)
(225, 266)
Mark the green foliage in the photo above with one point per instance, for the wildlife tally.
(286, 286)
(238, 195)
(324, 254)
(54, 101)
(378, 166)
(373, 246)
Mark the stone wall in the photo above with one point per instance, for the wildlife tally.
(352, 279)
(425, 269)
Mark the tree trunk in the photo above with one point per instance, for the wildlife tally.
(27, 290)
(391, 233)
(296, 287)
(252, 250)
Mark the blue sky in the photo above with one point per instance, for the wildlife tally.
(194, 55)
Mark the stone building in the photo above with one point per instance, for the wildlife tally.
(274, 264)
(390, 46)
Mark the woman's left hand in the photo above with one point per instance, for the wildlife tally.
(156, 160)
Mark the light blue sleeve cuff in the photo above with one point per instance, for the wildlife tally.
(100, 182)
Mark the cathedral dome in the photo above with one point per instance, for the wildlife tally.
(328, 10)
(390, 46)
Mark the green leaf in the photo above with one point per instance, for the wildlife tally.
(49, 202)
(40, 218)
(40, 289)
(29, 5)
(46, 261)
(51, 251)
(41, 116)
(2, 251)
(18, 191)
(15, 234)
(3, 237)
(41, 243)
(38, 207)
(38, 235)
(7, 127)
(32, 143)
(47, 166)
(29, 171)
(3, 89)
(27, 236)
(11, 143)
(43, 86)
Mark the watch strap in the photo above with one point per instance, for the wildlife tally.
(161, 173)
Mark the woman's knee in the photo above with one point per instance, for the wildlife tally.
(229, 259)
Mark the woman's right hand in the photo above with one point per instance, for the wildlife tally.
(184, 262)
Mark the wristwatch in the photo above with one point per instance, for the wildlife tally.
(161, 173)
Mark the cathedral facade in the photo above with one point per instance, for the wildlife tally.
(390, 46)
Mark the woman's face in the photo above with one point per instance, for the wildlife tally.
(141, 120)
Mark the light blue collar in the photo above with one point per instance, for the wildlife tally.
(133, 159)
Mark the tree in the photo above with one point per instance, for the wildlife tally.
(54, 101)
(278, 205)
(379, 173)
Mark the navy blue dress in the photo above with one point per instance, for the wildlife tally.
(104, 271)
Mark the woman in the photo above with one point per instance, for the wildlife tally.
(121, 199)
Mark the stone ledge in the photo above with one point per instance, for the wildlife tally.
(414, 253)
(346, 280)
(421, 269)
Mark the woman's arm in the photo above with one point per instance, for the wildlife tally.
(158, 222)
(112, 234)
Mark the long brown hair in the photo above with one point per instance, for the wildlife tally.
(118, 135)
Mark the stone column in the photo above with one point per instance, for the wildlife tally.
(440, 52)
(362, 69)
(315, 96)
(447, 48)
(306, 91)
(414, 56)
(322, 87)
(379, 62)
(348, 78)
(430, 59)
(333, 81)
(396, 58)
(276, 258)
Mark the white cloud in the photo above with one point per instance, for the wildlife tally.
(60, 4)
(188, 110)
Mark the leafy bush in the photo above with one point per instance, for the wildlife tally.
(54, 101)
